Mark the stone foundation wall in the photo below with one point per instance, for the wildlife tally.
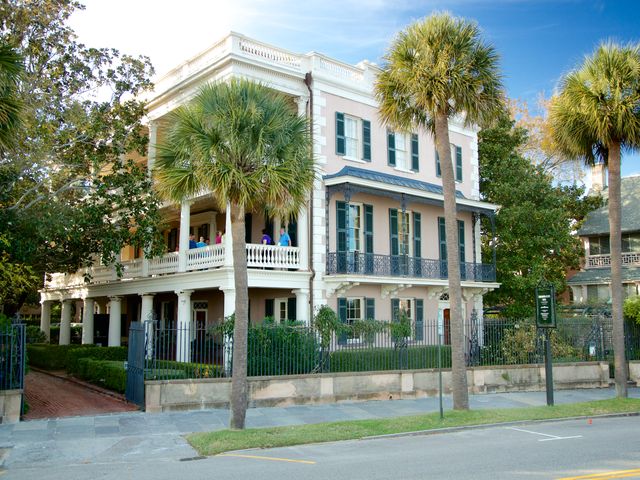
(634, 371)
(325, 388)
(10, 404)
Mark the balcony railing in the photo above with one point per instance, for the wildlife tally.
(602, 261)
(358, 263)
(205, 258)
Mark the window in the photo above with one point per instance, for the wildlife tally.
(599, 246)
(630, 242)
(456, 158)
(629, 290)
(404, 233)
(353, 137)
(598, 293)
(354, 227)
(403, 151)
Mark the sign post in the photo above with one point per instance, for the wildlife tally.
(546, 319)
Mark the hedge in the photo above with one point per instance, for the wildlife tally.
(172, 370)
(106, 373)
(95, 353)
(49, 357)
(376, 359)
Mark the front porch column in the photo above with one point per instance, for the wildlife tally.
(65, 323)
(183, 338)
(115, 316)
(228, 239)
(146, 317)
(87, 321)
(183, 246)
(302, 306)
(303, 238)
(229, 309)
(45, 318)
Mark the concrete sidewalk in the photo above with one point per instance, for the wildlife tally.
(141, 437)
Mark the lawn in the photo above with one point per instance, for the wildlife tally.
(212, 443)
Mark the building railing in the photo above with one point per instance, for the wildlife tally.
(357, 263)
(204, 258)
(603, 261)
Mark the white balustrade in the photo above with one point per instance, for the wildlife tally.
(599, 261)
(211, 256)
(168, 263)
(132, 269)
(272, 256)
(102, 273)
(267, 52)
(341, 70)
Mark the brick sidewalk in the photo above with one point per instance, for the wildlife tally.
(52, 397)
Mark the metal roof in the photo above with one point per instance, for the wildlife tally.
(597, 222)
(603, 275)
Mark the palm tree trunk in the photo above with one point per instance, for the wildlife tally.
(616, 270)
(458, 366)
(239, 385)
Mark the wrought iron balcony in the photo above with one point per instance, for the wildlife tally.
(358, 263)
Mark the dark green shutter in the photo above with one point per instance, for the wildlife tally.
(341, 145)
(417, 234)
(438, 171)
(461, 239)
(395, 310)
(370, 309)
(391, 148)
(291, 308)
(415, 162)
(268, 307)
(442, 238)
(393, 231)
(458, 163)
(342, 316)
(366, 140)
(419, 319)
(341, 226)
(368, 228)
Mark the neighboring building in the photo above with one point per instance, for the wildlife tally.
(371, 240)
(593, 283)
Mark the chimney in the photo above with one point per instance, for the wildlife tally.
(598, 177)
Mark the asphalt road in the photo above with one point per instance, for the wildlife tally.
(551, 450)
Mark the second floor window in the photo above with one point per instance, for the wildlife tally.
(353, 137)
(599, 246)
(402, 151)
(456, 158)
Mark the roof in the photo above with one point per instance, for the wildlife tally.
(603, 275)
(597, 222)
(389, 179)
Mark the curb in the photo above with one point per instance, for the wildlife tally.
(436, 431)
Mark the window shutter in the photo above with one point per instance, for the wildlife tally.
(393, 230)
(341, 146)
(419, 319)
(342, 316)
(368, 228)
(417, 234)
(370, 308)
(391, 148)
(341, 226)
(268, 307)
(366, 140)
(415, 162)
(442, 238)
(438, 171)
(458, 163)
(291, 308)
(461, 239)
(395, 310)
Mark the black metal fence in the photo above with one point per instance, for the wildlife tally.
(187, 352)
(12, 356)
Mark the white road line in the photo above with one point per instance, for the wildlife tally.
(550, 437)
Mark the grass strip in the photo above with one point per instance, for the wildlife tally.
(212, 443)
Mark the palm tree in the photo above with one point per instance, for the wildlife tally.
(436, 69)
(594, 117)
(246, 145)
(11, 69)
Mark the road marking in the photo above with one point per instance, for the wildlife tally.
(273, 459)
(549, 437)
(606, 475)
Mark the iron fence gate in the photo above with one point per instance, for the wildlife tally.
(12, 356)
(134, 391)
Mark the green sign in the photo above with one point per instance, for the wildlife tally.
(545, 306)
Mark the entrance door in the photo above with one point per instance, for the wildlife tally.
(446, 317)
(199, 329)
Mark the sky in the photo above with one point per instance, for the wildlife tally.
(538, 40)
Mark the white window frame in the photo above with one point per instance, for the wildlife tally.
(411, 303)
(362, 315)
(348, 140)
(360, 239)
(277, 312)
(409, 217)
(403, 153)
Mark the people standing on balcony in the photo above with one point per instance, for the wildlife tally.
(201, 243)
(285, 239)
(266, 239)
(192, 241)
(218, 237)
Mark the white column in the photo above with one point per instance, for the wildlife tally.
(302, 305)
(45, 318)
(65, 323)
(153, 138)
(87, 321)
(146, 317)
(229, 309)
(115, 314)
(302, 105)
(183, 344)
(185, 223)
(303, 238)
(228, 239)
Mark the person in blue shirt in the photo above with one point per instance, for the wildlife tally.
(266, 239)
(192, 241)
(201, 243)
(285, 239)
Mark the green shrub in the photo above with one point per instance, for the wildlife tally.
(109, 374)
(49, 357)
(34, 334)
(170, 370)
(377, 359)
(631, 308)
(95, 353)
